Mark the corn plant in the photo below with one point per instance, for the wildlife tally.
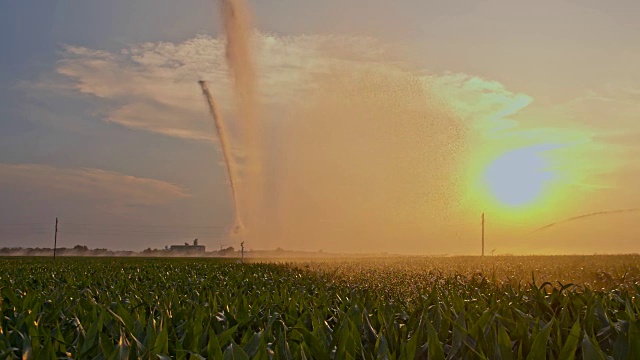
(383, 308)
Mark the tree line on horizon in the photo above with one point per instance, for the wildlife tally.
(83, 250)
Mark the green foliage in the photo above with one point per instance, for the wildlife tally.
(381, 309)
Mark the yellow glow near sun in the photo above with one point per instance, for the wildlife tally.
(518, 177)
(523, 167)
(524, 181)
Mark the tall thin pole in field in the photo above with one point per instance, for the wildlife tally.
(242, 251)
(55, 240)
(482, 234)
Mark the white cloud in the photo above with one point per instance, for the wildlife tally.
(485, 104)
(152, 86)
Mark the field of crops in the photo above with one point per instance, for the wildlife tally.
(378, 308)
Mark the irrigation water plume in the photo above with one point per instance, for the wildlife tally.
(360, 155)
(364, 160)
(237, 28)
(226, 153)
(238, 31)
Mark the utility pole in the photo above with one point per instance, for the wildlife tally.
(55, 240)
(242, 251)
(483, 234)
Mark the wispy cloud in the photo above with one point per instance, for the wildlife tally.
(485, 104)
(612, 108)
(105, 188)
(152, 86)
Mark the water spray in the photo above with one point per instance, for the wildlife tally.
(236, 19)
(226, 152)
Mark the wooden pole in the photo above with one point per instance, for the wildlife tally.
(482, 234)
(55, 240)
(242, 251)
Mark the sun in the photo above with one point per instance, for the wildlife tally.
(519, 177)
(520, 184)
(522, 176)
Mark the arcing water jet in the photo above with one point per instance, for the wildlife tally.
(226, 153)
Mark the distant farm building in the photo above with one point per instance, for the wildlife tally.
(188, 248)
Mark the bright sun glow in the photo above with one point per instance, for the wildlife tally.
(519, 183)
(518, 177)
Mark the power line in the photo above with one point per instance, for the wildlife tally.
(27, 229)
(122, 227)
(190, 235)
(148, 226)
(19, 224)
(7, 228)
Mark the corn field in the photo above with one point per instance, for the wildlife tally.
(378, 308)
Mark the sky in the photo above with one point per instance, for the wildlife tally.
(385, 126)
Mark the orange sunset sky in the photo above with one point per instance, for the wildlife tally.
(384, 126)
